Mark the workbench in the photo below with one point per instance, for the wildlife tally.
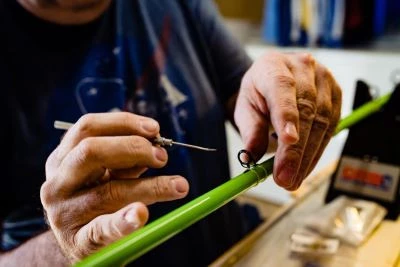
(268, 244)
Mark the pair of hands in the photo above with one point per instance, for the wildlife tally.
(93, 195)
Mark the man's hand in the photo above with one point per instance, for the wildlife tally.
(301, 100)
(93, 194)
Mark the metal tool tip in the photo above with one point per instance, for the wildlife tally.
(195, 147)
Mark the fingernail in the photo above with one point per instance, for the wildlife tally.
(132, 218)
(290, 129)
(159, 153)
(180, 185)
(149, 125)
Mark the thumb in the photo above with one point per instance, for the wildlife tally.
(108, 228)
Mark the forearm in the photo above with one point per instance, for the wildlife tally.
(42, 250)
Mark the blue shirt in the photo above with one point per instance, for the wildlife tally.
(170, 60)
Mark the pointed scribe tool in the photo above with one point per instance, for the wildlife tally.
(162, 141)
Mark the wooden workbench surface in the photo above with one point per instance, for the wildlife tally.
(268, 245)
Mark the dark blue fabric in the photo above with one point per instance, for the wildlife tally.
(20, 226)
(170, 60)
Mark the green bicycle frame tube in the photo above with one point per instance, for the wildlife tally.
(141, 241)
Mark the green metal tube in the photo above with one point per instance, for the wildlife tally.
(141, 241)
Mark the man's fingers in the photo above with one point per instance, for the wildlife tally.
(107, 124)
(277, 84)
(93, 156)
(148, 190)
(336, 103)
(115, 194)
(320, 124)
(289, 157)
(108, 197)
(109, 228)
(253, 127)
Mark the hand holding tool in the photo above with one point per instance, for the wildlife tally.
(161, 141)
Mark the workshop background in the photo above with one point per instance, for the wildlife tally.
(359, 41)
(355, 39)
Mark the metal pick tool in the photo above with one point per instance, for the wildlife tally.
(162, 141)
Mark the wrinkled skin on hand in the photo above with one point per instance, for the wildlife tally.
(301, 100)
(93, 194)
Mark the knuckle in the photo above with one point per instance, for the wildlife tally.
(321, 123)
(287, 104)
(284, 81)
(96, 237)
(160, 188)
(306, 103)
(324, 110)
(107, 196)
(85, 149)
(289, 111)
(127, 118)
(324, 73)
(52, 161)
(46, 194)
(84, 124)
(136, 145)
(308, 93)
(307, 109)
(307, 59)
(50, 172)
